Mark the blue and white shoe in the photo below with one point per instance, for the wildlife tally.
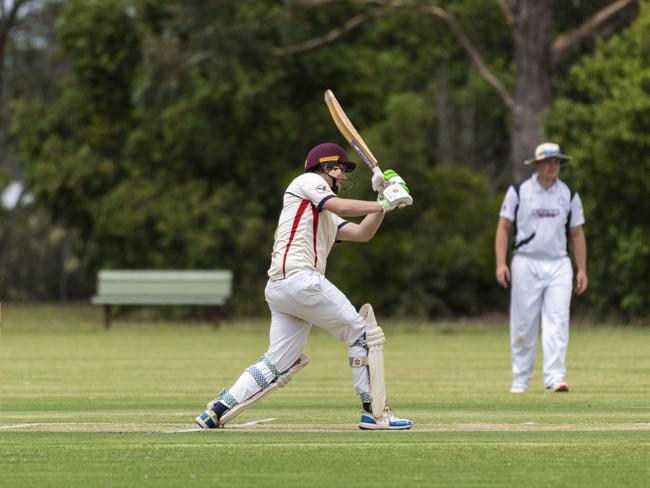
(213, 417)
(208, 420)
(388, 421)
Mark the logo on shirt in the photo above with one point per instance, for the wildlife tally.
(321, 189)
(545, 213)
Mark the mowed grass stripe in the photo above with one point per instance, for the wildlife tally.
(262, 425)
(105, 403)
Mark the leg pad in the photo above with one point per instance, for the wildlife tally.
(279, 382)
(375, 339)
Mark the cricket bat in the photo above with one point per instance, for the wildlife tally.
(348, 131)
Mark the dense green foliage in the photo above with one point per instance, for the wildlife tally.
(182, 161)
(170, 128)
(605, 121)
(432, 261)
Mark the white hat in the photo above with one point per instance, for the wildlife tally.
(548, 150)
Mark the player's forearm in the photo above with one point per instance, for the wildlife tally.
(361, 232)
(580, 251)
(501, 246)
(344, 207)
(369, 226)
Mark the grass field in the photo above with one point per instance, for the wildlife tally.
(81, 406)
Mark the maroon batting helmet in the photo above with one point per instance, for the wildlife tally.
(328, 154)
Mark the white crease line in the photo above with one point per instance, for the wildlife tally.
(17, 426)
(253, 422)
(233, 426)
(193, 429)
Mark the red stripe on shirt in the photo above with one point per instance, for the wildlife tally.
(314, 214)
(294, 227)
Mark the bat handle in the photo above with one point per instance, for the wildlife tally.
(369, 162)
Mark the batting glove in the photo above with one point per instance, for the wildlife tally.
(386, 206)
(397, 196)
(392, 178)
(378, 181)
(398, 193)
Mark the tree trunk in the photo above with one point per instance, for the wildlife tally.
(444, 147)
(533, 38)
(468, 133)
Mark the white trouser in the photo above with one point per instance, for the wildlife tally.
(296, 302)
(540, 288)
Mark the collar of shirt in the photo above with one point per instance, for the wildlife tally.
(539, 188)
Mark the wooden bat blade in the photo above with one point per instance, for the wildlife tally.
(348, 131)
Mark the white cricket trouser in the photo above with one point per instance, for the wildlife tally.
(540, 289)
(296, 302)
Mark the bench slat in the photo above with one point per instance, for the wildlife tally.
(168, 287)
(164, 289)
(171, 275)
(165, 283)
(154, 300)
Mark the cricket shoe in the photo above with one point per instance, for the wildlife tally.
(387, 421)
(518, 389)
(559, 387)
(208, 420)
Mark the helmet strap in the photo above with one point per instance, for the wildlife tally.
(335, 186)
(338, 187)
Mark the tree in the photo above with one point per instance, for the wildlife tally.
(9, 16)
(604, 116)
(170, 134)
(70, 140)
(26, 69)
(9, 12)
(142, 152)
(535, 54)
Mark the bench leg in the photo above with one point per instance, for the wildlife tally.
(107, 317)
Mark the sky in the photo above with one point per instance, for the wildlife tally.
(11, 193)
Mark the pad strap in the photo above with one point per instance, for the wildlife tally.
(267, 362)
(258, 376)
(226, 397)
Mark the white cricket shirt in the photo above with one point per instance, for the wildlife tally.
(542, 218)
(306, 232)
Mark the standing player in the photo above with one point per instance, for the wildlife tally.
(299, 295)
(545, 212)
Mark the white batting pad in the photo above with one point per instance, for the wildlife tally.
(375, 339)
(281, 381)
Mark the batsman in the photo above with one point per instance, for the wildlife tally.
(299, 295)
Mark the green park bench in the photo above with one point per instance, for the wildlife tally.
(154, 287)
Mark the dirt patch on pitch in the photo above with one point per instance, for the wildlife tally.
(269, 426)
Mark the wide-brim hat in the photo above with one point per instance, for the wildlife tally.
(328, 153)
(548, 150)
